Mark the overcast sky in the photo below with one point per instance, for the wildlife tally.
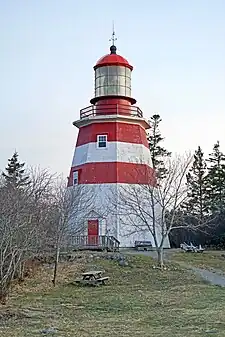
(48, 50)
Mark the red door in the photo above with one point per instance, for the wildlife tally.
(93, 232)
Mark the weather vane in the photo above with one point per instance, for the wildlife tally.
(113, 38)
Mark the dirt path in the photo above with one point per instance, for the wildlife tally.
(213, 277)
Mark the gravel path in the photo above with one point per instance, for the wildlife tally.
(167, 253)
(213, 277)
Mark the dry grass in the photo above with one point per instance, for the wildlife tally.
(138, 301)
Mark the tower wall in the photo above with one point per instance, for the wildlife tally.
(113, 220)
(126, 159)
(115, 152)
(113, 172)
(113, 106)
(115, 131)
(124, 164)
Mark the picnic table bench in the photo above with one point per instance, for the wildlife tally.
(143, 245)
(93, 278)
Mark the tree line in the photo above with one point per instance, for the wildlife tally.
(203, 206)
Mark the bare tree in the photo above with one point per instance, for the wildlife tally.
(39, 215)
(71, 207)
(23, 215)
(40, 195)
(143, 208)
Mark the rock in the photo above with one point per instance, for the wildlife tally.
(121, 258)
(123, 263)
(94, 267)
(211, 331)
(49, 331)
(118, 257)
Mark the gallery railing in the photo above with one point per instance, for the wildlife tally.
(111, 109)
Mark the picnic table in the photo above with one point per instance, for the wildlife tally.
(93, 277)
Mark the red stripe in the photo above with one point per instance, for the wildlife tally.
(113, 172)
(121, 132)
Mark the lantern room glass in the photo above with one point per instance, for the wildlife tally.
(113, 80)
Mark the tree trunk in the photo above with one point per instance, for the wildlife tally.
(21, 271)
(4, 293)
(56, 265)
(160, 257)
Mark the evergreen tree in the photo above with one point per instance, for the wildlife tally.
(216, 179)
(157, 151)
(15, 173)
(197, 203)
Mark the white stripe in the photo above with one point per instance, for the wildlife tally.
(115, 152)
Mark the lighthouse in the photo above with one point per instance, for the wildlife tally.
(111, 150)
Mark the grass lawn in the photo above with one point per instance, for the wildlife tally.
(138, 301)
(206, 260)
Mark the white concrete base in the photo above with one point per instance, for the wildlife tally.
(118, 216)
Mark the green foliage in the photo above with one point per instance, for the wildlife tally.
(15, 173)
(158, 152)
(194, 212)
(217, 242)
(216, 179)
(205, 204)
(197, 204)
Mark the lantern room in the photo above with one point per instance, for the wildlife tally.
(113, 78)
(113, 75)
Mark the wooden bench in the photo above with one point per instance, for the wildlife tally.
(102, 280)
(143, 245)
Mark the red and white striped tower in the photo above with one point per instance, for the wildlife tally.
(112, 148)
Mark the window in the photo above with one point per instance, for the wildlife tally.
(75, 177)
(121, 71)
(128, 73)
(102, 141)
(112, 90)
(112, 71)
